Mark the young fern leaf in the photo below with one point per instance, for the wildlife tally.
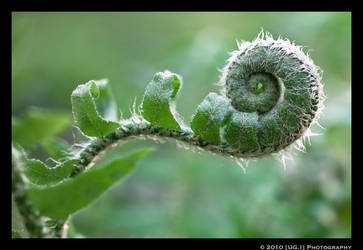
(158, 106)
(36, 172)
(85, 112)
(105, 103)
(210, 116)
(57, 148)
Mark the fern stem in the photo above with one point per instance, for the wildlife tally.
(31, 220)
(142, 129)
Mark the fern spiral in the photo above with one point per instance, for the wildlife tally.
(271, 95)
(275, 93)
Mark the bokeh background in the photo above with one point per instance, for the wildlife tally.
(175, 192)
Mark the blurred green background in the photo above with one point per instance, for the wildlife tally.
(175, 192)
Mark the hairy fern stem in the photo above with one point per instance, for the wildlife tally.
(96, 148)
(30, 219)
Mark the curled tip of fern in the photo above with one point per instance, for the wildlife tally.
(275, 94)
(271, 95)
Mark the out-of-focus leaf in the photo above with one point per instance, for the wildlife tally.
(158, 106)
(36, 172)
(88, 115)
(210, 116)
(68, 197)
(57, 148)
(39, 124)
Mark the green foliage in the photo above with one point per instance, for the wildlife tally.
(158, 106)
(66, 198)
(36, 172)
(254, 78)
(105, 103)
(86, 113)
(57, 148)
(39, 124)
(15, 234)
(210, 116)
(241, 131)
(17, 225)
(51, 190)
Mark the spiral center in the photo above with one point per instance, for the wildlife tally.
(258, 92)
(256, 88)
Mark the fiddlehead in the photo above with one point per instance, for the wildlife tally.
(275, 94)
(271, 94)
